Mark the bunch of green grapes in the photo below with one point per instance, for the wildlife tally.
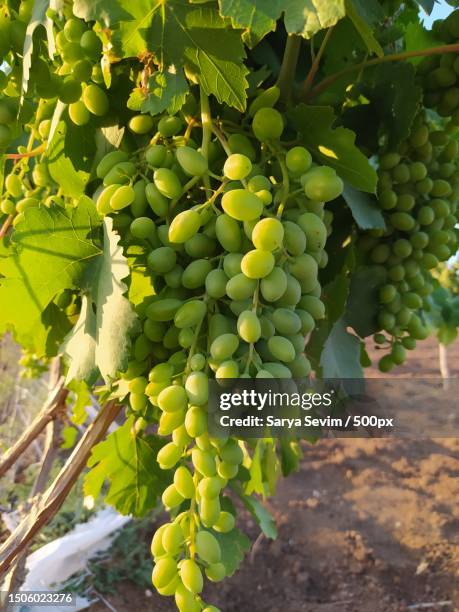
(233, 233)
(418, 193)
(439, 74)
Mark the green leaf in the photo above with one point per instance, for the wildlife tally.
(364, 209)
(107, 12)
(167, 91)
(370, 10)
(255, 484)
(128, 462)
(291, 455)
(71, 181)
(333, 146)
(69, 437)
(259, 17)
(417, 38)
(363, 29)
(341, 354)
(234, 545)
(101, 339)
(51, 250)
(81, 399)
(37, 18)
(182, 35)
(363, 301)
(261, 515)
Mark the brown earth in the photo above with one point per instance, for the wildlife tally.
(366, 525)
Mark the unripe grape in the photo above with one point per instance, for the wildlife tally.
(237, 167)
(248, 326)
(268, 234)
(95, 99)
(192, 162)
(191, 576)
(164, 571)
(184, 226)
(242, 205)
(141, 124)
(195, 421)
(322, 184)
(257, 263)
(172, 538)
(208, 547)
(267, 124)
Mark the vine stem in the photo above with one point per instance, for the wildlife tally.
(206, 121)
(327, 82)
(6, 224)
(316, 63)
(288, 68)
(32, 153)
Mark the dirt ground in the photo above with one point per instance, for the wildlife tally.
(367, 525)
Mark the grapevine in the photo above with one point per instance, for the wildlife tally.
(189, 195)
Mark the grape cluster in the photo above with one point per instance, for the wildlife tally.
(418, 192)
(439, 74)
(233, 234)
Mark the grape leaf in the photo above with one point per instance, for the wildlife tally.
(71, 181)
(178, 35)
(255, 484)
(291, 455)
(370, 10)
(427, 5)
(167, 91)
(37, 18)
(100, 341)
(304, 18)
(51, 249)
(81, 399)
(340, 357)
(261, 515)
(363, 303)
(363, 29)
(234, 545)
(417, 38)
(128, 462)
(107, 12)
(364, 209)
(333, 146)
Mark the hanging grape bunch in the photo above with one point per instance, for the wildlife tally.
(439, 74)
(418, 192)
(233, 233)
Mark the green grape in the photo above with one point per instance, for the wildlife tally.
(120, 174)
(313, 305)
(169, 126)
(192, 162)
(257, 264)
(143, 228)
(78, 113)
(122, 198)
(7, 207)
(168, 421)
(286, 321)
(315, 231)
(274, 285)
(209, 510)
(240, 287)
(204, 462)
(228, 471)
(402, 221)
(397, 354)
(189, 314)
(173, 538)
(267, 124)
(224, 346)
(237, 167)
(82, 70)
(91, 44)
(242, 205)
(95, 99)
(103, 201)
(171, 498)
(305, 268)
(183, 481)
(167, 183)
(141, 124)
(281, 348)
(13, 185)
(300, 367)
(26, 203)
(195, 273)
(197, 388)
(195, 421)
(184, 226)
(268, 234)
(227, 369)
(173, 398)
(386, 364)
(248, 327)
(207, 547)
(389, 161)
(298, 160)
(228, 233)
(185, 600)
(198, 362)
(109, 161)
(156, 547)
(164, 571)
(162, 260)
(259, 183)
(294, 238)
(322, 184)
(238, 143)
(216, 282)
(191, 576)
(200, 245)
(210, 487)
(158, 202)
(225, 522)
(156, 155)
(231, 452)
(215, 573)
(232, 264)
